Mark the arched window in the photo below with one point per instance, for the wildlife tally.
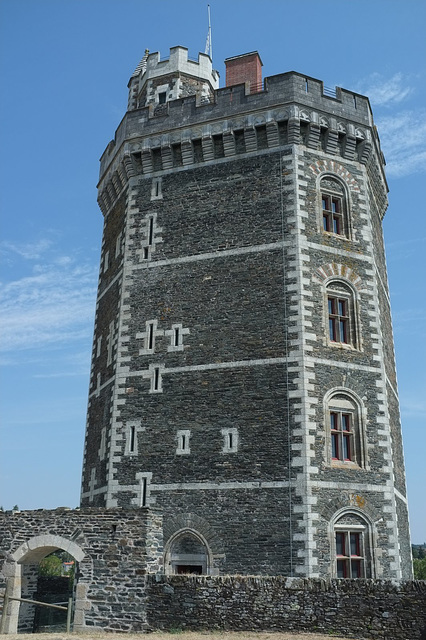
(334, 207)
(344, 426)
(352, 546)
(342, 314)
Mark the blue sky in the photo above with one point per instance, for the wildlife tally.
(64, 68)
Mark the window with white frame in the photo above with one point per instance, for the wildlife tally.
(350, 561)
(341, 314)
(352, 547)
(334, 207)
(230, 440)
(183, 436)
(345, 432)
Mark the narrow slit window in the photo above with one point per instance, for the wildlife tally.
(156, 378)
(176, 334)
(183, 436)
(150, 336)
(151, 231)
(143, 492)
(230, 440)
(132, 439)
(145, 253)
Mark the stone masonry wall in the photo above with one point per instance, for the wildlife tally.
(353, 608)
(114, 548)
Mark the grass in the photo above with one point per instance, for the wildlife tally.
(176, 633)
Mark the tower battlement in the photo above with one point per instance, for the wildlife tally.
(292, 107)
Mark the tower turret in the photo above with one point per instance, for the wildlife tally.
(155, 82)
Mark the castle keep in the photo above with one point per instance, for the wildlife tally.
(243, 376)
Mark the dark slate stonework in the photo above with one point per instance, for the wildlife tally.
(214, 246)
(350, 608)
(115, 549)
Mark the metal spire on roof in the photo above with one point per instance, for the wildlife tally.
(209, 48)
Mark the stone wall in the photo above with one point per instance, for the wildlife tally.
(351, 608)
(114, 550)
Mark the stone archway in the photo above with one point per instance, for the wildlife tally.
(30, 553)
(187, 551)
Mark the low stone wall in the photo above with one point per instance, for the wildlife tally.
(351, 608)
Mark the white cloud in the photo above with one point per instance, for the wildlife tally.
(385, 91)
(403, 140)
(402, 133)
(55, 304)
(27, 250)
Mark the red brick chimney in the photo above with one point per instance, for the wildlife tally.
(245, 68)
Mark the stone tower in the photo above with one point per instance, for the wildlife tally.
(243, 375)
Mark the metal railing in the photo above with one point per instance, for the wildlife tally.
(330, 92)
(7, 598)
(256, 87)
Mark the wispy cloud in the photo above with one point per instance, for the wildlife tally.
(26, 250)
(386, 91)
(53, 304)
(402, 132)
(403, 138)
(413, 408)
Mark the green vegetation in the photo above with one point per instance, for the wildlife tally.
(419, 561)
(52, 565)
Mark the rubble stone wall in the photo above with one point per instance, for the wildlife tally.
(350, 608)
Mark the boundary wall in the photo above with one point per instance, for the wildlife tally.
(352, 608)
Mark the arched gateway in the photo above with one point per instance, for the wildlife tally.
(113, 547)
(20, 569)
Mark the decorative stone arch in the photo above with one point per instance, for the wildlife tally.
(31, 552)
(192, 525)
(333, 167)
(187, 551)
(359, 426)
(353, 518)
(337, 271)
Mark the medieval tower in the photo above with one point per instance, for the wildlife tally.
(243, 376)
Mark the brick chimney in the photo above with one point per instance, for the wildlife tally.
(245, 68)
